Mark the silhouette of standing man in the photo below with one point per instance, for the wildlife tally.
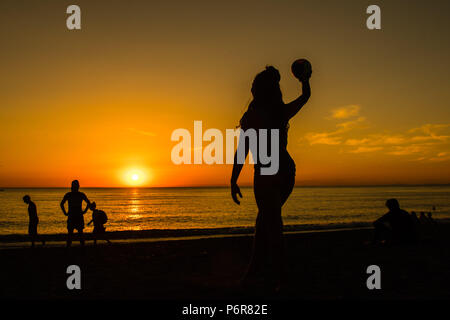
(75, 219)
(34, 220)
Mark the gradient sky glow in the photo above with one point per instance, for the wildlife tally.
(100, 104)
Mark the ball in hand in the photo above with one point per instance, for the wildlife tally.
(301, 69)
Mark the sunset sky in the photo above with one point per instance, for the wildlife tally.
(100, 104)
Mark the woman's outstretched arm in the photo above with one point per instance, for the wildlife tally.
(293, 107)
(237, 168)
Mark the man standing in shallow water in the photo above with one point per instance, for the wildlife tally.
(75, 219)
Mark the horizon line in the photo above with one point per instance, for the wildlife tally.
(244, 185)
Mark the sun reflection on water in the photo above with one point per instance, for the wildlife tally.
(134, 216)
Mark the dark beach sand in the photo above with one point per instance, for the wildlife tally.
(322, 265)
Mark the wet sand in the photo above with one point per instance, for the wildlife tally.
(322, 265)
(162, 234)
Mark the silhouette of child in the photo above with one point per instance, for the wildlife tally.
(99, 218)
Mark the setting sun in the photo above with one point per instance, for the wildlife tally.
(136, 177)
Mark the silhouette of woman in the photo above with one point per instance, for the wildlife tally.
(268, 111)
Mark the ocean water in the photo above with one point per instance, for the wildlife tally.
(188, 208)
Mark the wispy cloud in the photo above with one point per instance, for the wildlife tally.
(431, 132)
(345, 112)
(407, 150)
(329, 138)
(441, 156)
(376, 140)
(142, 132)
(429, 142)
(335, 137)
(365, 149)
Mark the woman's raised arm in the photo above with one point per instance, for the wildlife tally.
(293, 107)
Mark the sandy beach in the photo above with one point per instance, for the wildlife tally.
(322, 265)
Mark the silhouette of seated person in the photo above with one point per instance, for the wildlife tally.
(75, 219)
(430, 218)
(428, 226)
(414, 217)
(395, 227)
(423, 218)
(429, 214)
(416, 223)
(33, 220)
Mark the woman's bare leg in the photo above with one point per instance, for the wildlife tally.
(259, 249)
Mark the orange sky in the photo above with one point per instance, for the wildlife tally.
(100, 104)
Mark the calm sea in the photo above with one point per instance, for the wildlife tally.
(187, 208)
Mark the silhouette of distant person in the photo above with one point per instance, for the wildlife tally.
(268, 111)
(427, 226)
(433, 225)
(99, 218)
(414, 217)
(396, 226)
(75, 219)
(416, 225)
(33, 220)
(423, 218)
